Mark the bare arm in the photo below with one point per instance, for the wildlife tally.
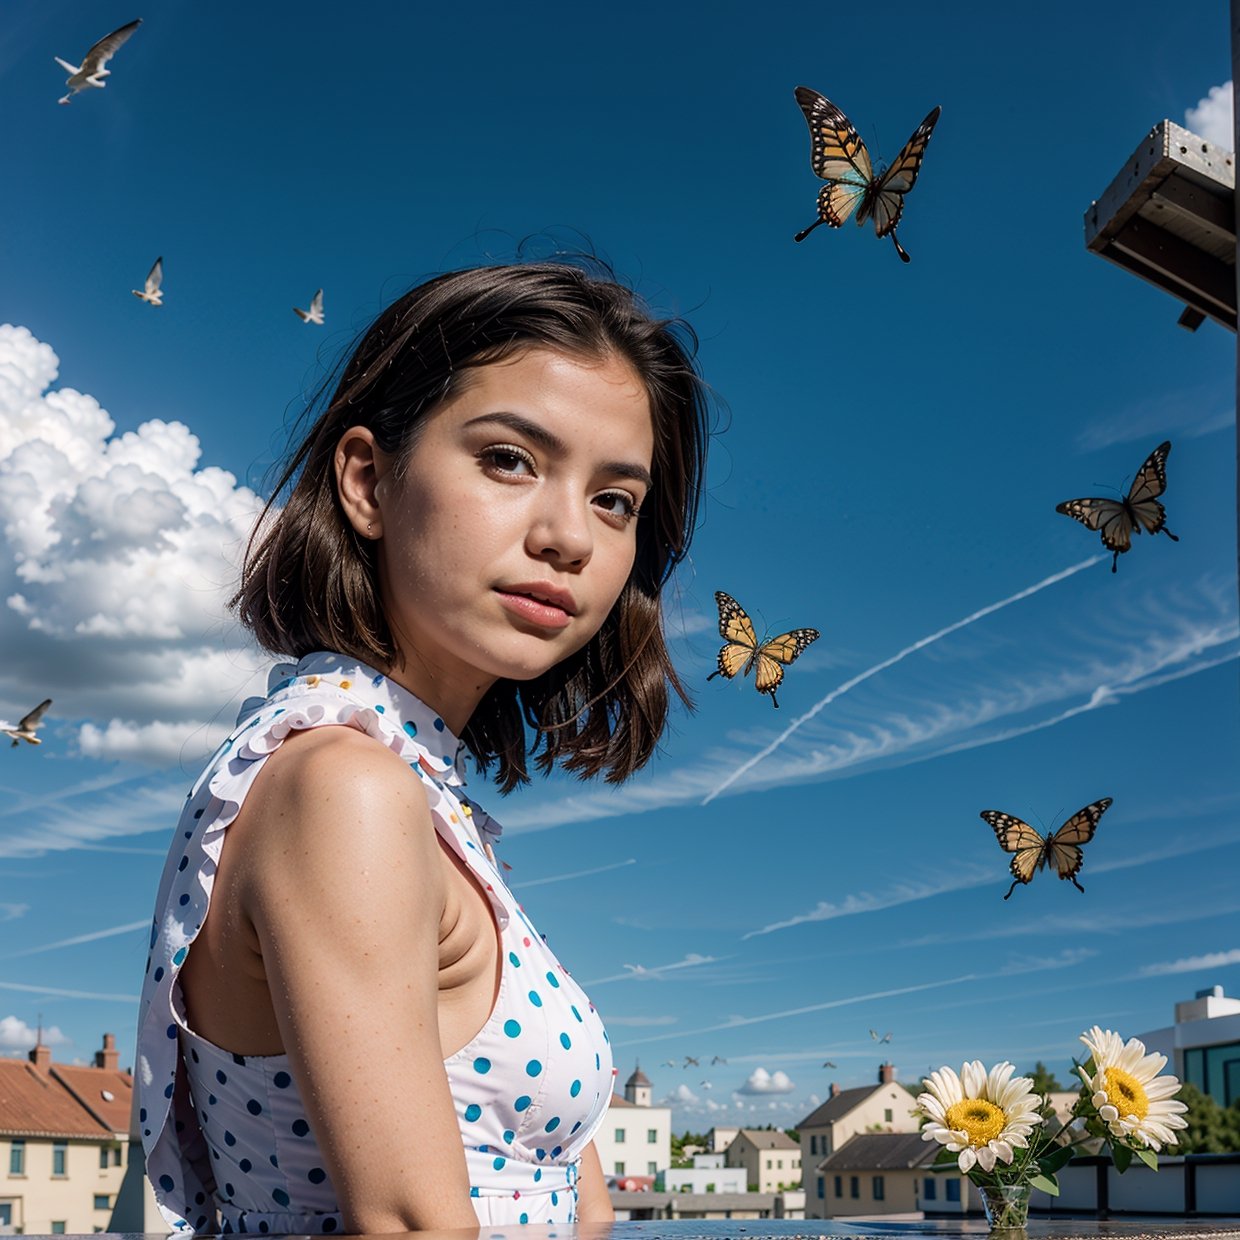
(593, 1200)
(345, 888)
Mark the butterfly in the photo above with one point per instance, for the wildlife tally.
(741, 650)
(1062, 849)
(839, 157)
(1117, 519)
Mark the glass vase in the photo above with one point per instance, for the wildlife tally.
(1006, 1206)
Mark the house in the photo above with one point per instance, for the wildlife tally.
(636, 1136)
(1203, 1046)
(718, 1139)
(65, 1142)
(885, 1173)
(709, 1174)
(885, 1107)
(772, 1159)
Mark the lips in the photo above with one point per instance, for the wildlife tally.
(544, 592)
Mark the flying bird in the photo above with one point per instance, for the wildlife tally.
(717, 1059)
(838, 156)
(315, 313)
(1116, 520)
(1062, 849)
(669, 1063)
(690, 1060)
(26, 727)
(91, 71)
(885, 1038)
(828, 1064)
(151, 292)
(742, 650)
(706, 1085)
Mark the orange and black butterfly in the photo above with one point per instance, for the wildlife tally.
(839, 157)
(1062, 849)
(1116, 519)
(742, 650)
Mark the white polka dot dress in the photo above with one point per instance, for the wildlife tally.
(228, 1144)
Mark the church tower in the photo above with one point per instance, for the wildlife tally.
(637, 1089)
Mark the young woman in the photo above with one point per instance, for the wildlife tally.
(348, 1023)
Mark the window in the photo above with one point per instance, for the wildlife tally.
(839, 1185)
(58, 1227)
(102, 1201)
(887, 1116)
(60, 1156)
(619, 1168)
(876, 1186)
(929, 1189)
(116, 1156)
(652, 1136)
(813, 1145)
(6, 1214)
(766, 1162)
(17, 1157)
(652, 1168)
(854, 1186)
(619, 1136)
(780, 1164)
(953, 1190)
(822, 1187)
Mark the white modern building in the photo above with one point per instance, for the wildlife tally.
(1203, 1046)
(709, 1174)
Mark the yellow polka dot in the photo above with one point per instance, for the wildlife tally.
(346, 684)
(312, 681)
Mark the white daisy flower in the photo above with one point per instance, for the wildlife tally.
(1131, 1098)
(982, 1117)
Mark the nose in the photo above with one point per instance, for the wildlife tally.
(560, 532)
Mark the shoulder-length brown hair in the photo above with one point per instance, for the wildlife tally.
(308, 582)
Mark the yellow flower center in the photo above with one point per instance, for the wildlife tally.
(1125, 1094)
(982, 1121)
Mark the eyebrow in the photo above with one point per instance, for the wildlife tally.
(541, 436)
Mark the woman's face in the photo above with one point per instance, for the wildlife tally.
(507, 539)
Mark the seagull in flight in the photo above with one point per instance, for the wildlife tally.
(828, 1064)
(717, 1059)
(151, 292)
(690, 1060)
(315, 313)
(91, 71)
(669, 1063)
(885, 1038)
(24, 729)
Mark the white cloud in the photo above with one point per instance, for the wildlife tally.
(1192, 964)
(682, 1095)
(763, 1082)
(10, 912)
(16, 1035)
(119, 552)
(1212, 117)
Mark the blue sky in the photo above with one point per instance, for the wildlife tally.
(894, 444)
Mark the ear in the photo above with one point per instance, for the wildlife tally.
(361, 465)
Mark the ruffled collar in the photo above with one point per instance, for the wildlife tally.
(443, 751)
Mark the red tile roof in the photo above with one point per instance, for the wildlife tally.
(63, 1100)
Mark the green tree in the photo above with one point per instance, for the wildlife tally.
(1044, 1080)
(1211, 1129)
(794, 1134)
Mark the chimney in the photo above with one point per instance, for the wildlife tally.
(41, 1056)
(835, 1089)
(886, 1073)
(109, 1057)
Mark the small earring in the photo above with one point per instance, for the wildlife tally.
(369, 527)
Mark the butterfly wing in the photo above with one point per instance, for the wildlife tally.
(896, 181)
(771, 657)
(740, 640)
(1108, 516)
(837, 155)
(1063, 848)
(1018, 837)
(1150, 482)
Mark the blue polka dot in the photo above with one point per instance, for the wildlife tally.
(246, 1165)
(596, 1061)
(575, 1088)
(172, 1031)
(142, 1114)
(482, 1064)
(411, 728)
(573, 1009)
(221, 1077)
(438, 725)
(565, 1041)
(211, 1101)
(498, 1162)
(379, 710)
(183, 862)
(535, 998)
(274, 1161)
(281, 1080)
(378, 680)
(329, 1223)
(541, 1153)
(167, 1091)
(537, 1174)
(521, 1103)
(555, 1198)
(229, 1191)
(159, 973)
(316, 1175)
(179, 958)
(555, 1153)
(512, 1028)
(525, 1218)
(473, 1192)
(229, 1139)
(533, 1068)
(166, 1183)
(300, 1128)
(551, 977)
(552, 1124)
(279, 1196)
(516, 964)
(254, 1107)
(473, 1112)
(574, 1128)
(508, 1136)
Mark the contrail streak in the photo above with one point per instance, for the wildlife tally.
(128, 928)
(920, 644)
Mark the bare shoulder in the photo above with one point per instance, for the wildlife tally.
(328, 807)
